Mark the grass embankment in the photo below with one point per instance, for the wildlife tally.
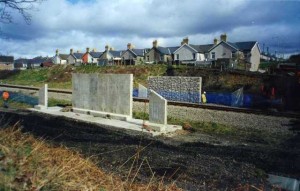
(60, 76)
(27, 163)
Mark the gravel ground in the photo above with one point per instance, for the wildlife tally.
(242, 120)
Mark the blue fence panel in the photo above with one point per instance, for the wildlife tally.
(22, 98)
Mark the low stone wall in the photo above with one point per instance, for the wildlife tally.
(177, 88)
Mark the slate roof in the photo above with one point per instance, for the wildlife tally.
(7, 59)
(64, 56)
(38, 60)
(96, 54)
(204, 48)
(173, 49)
(138, 52)
(167, 50)
(22, 61)
(78, 55)
(245, 46)
(116, 53)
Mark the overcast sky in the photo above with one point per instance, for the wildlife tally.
(77, 24)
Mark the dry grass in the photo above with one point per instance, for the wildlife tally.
(30, 164)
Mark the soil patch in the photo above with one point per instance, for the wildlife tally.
(195, 165)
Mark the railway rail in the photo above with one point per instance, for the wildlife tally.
(182, 104)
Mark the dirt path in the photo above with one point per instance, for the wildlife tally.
(193, 165)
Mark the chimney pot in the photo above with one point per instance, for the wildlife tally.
(129, 46)
(106, 48)
(223, 37)
(87, 50)
(215, 41)
(71, 51)
(155, 43)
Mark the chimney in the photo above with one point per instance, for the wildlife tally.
(94, 50)
(111, 48)
(155, 43)
(223, 37)
(215, 41)
(106, 48)
(78, 51)
(71, 51)
(186, 40)
(56, 52)
(87, 50)
(129, 46)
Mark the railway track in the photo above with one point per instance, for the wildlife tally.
(181, 104)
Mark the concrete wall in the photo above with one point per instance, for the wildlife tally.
(43, 96)
(110, 93)
(157, 108)
(143, 91)
(177, 88)
(255, 58)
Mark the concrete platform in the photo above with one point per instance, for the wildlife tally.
(130, 124)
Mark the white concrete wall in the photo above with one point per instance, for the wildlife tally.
(255, 58)
(157, 108)
(110, 93)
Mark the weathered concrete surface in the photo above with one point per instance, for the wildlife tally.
(111, 93)
(143, 91)
(43, 97)
(157, 108)
(177, 88)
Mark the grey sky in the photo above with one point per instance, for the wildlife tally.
(79, 24)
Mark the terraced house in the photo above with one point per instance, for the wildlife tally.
(133, 56)
(221, 53)
(6, 62)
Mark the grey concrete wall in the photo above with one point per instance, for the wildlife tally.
(43, 96)
(110, 93)
(143, 91)
(157, 108)
(177, 88)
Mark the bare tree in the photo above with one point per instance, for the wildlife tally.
(21, 6)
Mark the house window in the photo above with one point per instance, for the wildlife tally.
(206, 55)
(194, 56)
(177, 56)
(233, 55)
(213, 55)
(147, 58)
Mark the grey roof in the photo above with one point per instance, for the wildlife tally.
(205, 48)
(163, 50)
(7, 59)
(64, 56)
(38, 60)
(22, 61)
(196, 47)
(138, 52)
(173, 49)
(234, 45)
(167, 50)
(116, 53)
(245, 46)
(78, 55)
(96, 54)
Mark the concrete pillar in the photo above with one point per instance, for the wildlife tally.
(157, 108)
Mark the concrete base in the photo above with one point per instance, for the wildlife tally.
(130, 124)
(40, 107)
(102, 114)
(156, 126)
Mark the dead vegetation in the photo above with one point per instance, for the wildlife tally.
(30, 164)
